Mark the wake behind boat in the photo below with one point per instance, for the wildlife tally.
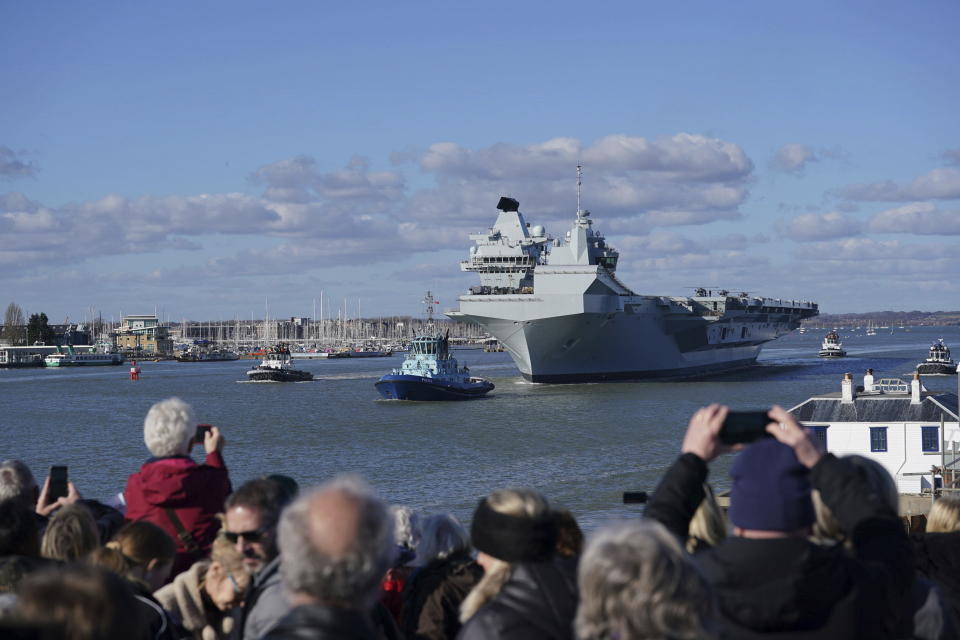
(938, 362)
(277, 366)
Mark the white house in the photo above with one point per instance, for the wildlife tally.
(900, 425)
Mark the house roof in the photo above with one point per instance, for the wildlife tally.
(880, 407)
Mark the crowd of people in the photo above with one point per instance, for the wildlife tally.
(811, 547)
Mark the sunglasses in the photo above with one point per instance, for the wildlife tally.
(250, 536)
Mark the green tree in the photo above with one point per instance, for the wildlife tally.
(13, 329)
(38, 329)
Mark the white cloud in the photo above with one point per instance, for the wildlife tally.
(813, 227)
(921, 218)
(939, 184)
(857, 250)
(660, 243)
(313, 218)
(793, 157)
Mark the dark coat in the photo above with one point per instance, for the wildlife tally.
(314, 622)
(791, 587)
(938, 558)
(195, 492)
(539, 601)
(14, 568)
(433, 594)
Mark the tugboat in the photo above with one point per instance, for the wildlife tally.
(429, 372)
(277, 366)
(832, 347)
(938, 362)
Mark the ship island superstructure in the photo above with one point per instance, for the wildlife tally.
(559, 309)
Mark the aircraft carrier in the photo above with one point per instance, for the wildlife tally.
(559, 309)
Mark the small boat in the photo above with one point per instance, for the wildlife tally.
(367, 353)
(832, 347)
(277, 366)
(202, 352)
(938, 362)
(69, 357)
(429, 372)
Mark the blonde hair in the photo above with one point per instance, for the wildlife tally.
(71, 534)
(512, 502)
(227, 556)
(944, 516)
(708, 523)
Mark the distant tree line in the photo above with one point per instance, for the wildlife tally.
(18, 332)
(888, 318)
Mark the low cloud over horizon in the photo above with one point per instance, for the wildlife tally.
(681, 208)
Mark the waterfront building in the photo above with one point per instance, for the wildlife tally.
(144, 335)
(912, 432)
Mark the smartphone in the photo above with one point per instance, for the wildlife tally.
(201, 433)
(58, 483)
(634, 497)
(744, 426)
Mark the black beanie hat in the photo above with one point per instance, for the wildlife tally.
(513, 538)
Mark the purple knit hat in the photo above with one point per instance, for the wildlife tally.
(771, 489)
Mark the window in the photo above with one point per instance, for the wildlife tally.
(930, 438)
(820, 435)
(878, 438)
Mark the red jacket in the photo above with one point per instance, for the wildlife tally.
(195, 492)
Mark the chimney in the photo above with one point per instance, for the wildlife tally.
(915, 389)
(868, 381)
(846, 389)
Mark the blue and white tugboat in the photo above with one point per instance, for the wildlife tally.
(429, 372)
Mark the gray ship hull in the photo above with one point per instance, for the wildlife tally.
(621, 344)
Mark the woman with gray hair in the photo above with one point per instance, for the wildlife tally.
(637, 582)
(444, 576)
(171, 490)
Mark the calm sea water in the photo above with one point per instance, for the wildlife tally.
(581, 445)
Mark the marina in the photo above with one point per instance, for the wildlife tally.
(582, 445)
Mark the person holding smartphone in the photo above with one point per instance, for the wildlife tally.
(171, 490)
(770, 579)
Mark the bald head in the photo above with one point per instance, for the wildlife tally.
(336, 543)
(334, 517)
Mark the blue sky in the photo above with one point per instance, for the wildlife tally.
(201, 159)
